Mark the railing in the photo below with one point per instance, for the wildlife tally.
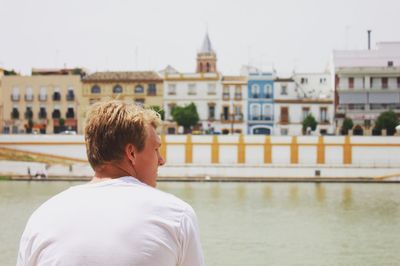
(15, 97)
(28, 97)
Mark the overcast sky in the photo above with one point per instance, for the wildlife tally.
(150, 34)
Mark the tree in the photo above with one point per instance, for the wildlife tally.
(346, 126)
(159, 110)
(309, 122)
(387, 120)
(185, 116)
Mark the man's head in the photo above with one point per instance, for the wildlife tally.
(123, 135)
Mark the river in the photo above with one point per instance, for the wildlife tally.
(257, 223)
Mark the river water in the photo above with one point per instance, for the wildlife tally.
(257, 223)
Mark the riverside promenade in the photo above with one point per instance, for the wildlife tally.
(220, 158)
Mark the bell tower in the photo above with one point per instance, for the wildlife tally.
(206, 57)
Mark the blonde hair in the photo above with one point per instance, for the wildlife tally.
(111, 125)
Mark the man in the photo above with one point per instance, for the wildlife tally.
(119, 218)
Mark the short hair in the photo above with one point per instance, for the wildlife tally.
(113, 124)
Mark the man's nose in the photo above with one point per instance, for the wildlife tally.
(161, 161)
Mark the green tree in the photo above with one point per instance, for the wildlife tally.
(387, 120)
(185, 116)
(309, 122)
(159, 110)
(346, 126)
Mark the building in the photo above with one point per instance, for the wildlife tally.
(203, 88)
(45, 102)
(234, 104)
(260, 102)
(143, 87)
(367, 83)
(299, 96)
(1, 98)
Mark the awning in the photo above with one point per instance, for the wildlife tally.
(384, 97)
(352, 98)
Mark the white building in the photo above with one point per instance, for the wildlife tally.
(299, 96)
(203, 88)
(367, 83)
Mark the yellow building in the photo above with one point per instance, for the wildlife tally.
(144, 87)
(45, 102)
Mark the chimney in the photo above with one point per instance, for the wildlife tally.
(369, 39)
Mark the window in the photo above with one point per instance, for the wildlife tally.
(15, 94)
(28, 112)
(398, 82)
(117, 89)
(384, 83)
(284, 89)
(192, 89)
(267, 112)
(211, 89)
(305, 112)
(255, 91)
(15, 113)
(29, 94)
(139, 89)
(284, 114)
(268, 91)
(70, 112)
(70, 94)
(171, 89)
(238, 92)
(225, 113)
(42, 94)
(390, 63)
(323, 114)
(42, 112)
(152, 89)
(351, 83)
(304, 80)
(237, 110)
(284, 131)
(211, 111)
(95, 89)
(255, 112)
(225, 93)
(139, 102)
(56, 94)
(322, 80)
(56, 112)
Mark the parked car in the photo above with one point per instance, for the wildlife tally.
(68, 132)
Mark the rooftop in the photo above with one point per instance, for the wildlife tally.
(123, 76)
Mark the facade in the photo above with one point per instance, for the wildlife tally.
(41, 103)
(1, 99)
(297, 97)
(143, 87)
(367, 83)
(260, 103)
(234, 104)
(203, 88)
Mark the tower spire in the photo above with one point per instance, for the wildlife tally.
(206, 57)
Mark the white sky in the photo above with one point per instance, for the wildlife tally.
(150, 34)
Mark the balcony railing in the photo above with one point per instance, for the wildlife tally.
(284, 120)
(225, 96)
(28, 97)
(56, 96)
(15, 114)
(15, 97)
(238, 96)
(42, 115)
(232, 118)
(42, 97)
(70, 97)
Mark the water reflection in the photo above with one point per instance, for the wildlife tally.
(215, 191)
(347, 197)
(241, 192)
(188, 191)
(267, 193)
(320, 193)
(294, 193)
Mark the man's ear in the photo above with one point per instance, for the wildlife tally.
(130, 153)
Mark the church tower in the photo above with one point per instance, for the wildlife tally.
(206, 57)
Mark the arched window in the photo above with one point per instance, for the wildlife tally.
(268, 91)
(95, 89)
(208, 67)
(117, 89)
(255, 112)
(255, 91)
(15, 94)
(29, 94)
(267, 112)
(43, 94)
(139, 89)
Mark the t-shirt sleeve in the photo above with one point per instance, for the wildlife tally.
(191, 252)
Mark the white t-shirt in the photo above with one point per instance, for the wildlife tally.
(115, 222)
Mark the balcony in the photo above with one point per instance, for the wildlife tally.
(238, 96)
(266, 117)
(255, 96)
(226, 96)
(42, 114)
(56, 114)
(15, 97)
(70, 114)
(268, 96)
(28, 114)
(237, 118)
(324, 121)
(284, 120)
(28, 97)
(42, 97)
